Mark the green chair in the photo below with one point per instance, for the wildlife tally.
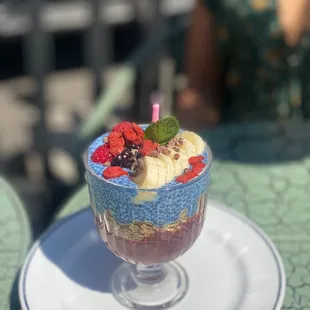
(15, 239)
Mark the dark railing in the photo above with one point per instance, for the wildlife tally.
(37, 23)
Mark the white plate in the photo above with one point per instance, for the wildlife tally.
(233, 265)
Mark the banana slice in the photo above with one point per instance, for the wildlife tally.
(169, 167)
(195, 140)
(188, 147)
(184, 159)
(152, 174)
(181, 163)
(156, 172)
(178, 167)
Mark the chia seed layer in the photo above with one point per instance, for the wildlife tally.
(144, 246)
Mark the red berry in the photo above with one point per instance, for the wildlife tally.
(114, 172)
(116, 142)
(129, 134)
(102, 154)
(195, 159)
(197, 168)
(121, 126)
(186, 177)
(147, 147)
(140, 133)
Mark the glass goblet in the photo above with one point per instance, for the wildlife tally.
(149, 229)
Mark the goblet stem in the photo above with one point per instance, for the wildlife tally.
(149, 287)
(150, 274)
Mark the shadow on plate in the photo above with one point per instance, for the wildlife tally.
(75, 247)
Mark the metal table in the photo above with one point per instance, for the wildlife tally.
(262, 170)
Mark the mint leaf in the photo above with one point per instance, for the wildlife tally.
(163, 130)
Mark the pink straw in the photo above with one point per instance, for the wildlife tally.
(155, 99)
(155, 112)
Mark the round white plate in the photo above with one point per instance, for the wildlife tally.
(233, 265)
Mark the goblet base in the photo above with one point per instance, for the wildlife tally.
(149, 287)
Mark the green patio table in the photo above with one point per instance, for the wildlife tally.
(262, 170)
(15, 239)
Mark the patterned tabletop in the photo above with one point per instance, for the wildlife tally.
(15, 238)
(262, 170)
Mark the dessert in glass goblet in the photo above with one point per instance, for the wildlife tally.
(148, 191)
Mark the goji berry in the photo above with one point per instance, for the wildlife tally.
(186, 177)
(116, 142)
(102, 154)
(121, 126)
(129, 134)
(197, 168)
(195, 159)
(138, 141)
(139, 131)
(114, 172)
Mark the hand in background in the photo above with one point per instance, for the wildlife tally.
(194, 112)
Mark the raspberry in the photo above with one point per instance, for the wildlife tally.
(186, 177)
(147, 147)
(114, 172)
(195, 159)
(102, 154)
(116, 142)
(197, 168)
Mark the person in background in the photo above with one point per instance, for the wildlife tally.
(247, 60)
